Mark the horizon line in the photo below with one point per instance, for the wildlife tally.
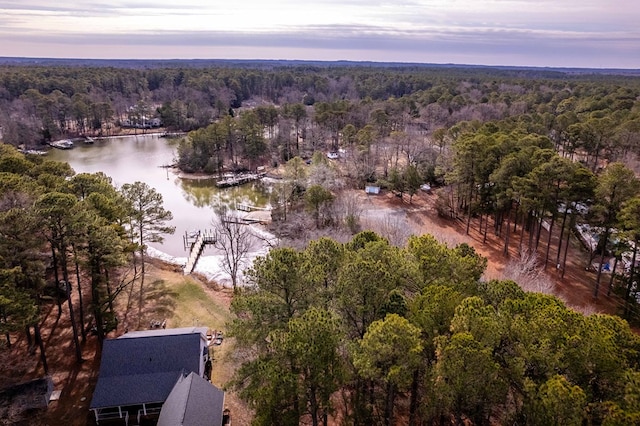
(315, 61)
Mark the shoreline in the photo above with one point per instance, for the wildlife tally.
(122, 136)
(190, 176)
(269, 178)
(210, 265)
(127, 135)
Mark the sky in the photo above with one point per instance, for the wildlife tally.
(547, 33)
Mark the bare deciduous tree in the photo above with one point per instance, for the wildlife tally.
(393, 227)
(348, 210)
(528, 273)
(235, 240)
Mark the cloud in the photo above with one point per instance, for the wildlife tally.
(534, 32)
(489, 42)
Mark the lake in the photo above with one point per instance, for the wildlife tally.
(140, 158)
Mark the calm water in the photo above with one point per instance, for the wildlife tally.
(139, 158)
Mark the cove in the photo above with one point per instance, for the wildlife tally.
(128, 159)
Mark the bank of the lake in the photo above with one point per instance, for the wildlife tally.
(127, 159)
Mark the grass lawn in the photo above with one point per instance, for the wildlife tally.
(186, 302)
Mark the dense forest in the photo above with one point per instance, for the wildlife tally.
(370, 333)
(369, 330)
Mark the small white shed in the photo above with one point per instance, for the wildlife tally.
(370, 189)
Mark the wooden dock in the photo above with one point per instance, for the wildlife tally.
(241, 220)
(196, 242)
(240, 179)
(249, 208)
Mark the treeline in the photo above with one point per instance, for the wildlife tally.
(368, 333)
(75, 239)
(421, 127)
(42, 102)
(525, 185)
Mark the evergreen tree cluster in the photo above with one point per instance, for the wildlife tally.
(70, 238)
(369, 333)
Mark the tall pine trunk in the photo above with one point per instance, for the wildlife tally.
(142, 274)
(631, 274)
(415, 396)
(388, 406)
(546, 255)
(603, 249)
(566, 246)
(613, 275)
(83, 332)
(313, 406)
(72, 317)
(539, 228)
(564, 222)
(40, 343)
(486, 229)
(469, 211)
(109, 293)
(522, 229)
(505, 252)
(96, 280)
(54, 257)
(531, 228)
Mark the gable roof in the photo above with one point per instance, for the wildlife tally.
(192, 402)
(144, 369)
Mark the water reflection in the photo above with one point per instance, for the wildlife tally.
(140, 158)
(203, 193)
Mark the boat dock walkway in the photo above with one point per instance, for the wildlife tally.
(249, 208)
(240, 179)
(243, 220)
(196, 241)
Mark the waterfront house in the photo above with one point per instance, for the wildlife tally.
(139, 371)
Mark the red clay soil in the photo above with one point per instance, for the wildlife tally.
(75, 380)
(575, 289)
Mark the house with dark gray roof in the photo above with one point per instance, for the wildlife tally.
(139, 370)
(193, 401)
